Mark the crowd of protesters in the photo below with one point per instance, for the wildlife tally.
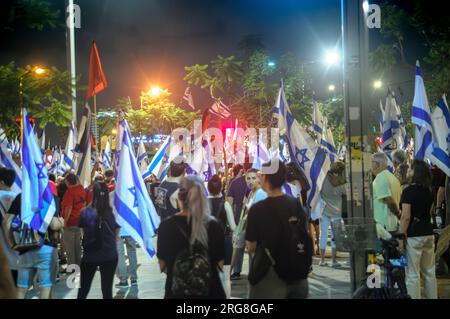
(240, 211)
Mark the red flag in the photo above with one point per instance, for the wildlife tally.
(97, 79)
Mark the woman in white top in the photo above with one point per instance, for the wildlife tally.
(255, 195)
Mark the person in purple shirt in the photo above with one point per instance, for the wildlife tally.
(99, 243)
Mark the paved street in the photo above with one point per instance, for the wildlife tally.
(325, 283)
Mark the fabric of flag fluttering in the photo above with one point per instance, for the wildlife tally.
(7, 161)
(56, 163)
(441, 126)
(327, 141)
(160, 161)
(260, 154)
(97, 79)
(318, 120)
(142, 156)
(220, 109)
(38, 204)
(393, 126)
(68, 158)
(42, 142)
(134, 209)
(83, 148)
(421, 117)
(106, 158)
(187, 96)
(311, 160)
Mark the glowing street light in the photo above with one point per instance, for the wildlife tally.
(39, 71)
(377, 84)
(271, 64)
(155, 91)
(332, 58)
(331, 87)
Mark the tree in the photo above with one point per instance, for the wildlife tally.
(158, 115)
(43, 96)
(34, 14)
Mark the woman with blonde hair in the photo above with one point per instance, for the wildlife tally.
(190, 246)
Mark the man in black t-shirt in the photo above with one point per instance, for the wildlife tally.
(264, 227)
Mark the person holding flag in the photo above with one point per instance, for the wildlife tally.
(36, 212)
(133, 208)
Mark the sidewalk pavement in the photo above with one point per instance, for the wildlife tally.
(324, 283)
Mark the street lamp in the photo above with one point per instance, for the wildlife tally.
(38, 71)
(155, 91)
(331, 88)
(377, 84)
(271, 64)
(332, 58)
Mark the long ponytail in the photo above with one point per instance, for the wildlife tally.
(193, 195)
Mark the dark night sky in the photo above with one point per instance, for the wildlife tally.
(142, 42)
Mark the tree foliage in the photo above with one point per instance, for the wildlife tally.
(158, 115)
(44, 96)
(34, 14)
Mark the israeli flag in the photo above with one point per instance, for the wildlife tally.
(327, 141)
(42, 142)
(284, 155)
(311, 159)
(260, 155)
(160, 162)
(142, 156)
(135, 212)
(106, 160)
(68, 157)
(38, 204)
(318, 120)
(421, 117)
(441, 126)
(56, 162)
(7, 161)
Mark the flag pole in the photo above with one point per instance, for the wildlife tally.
(95, 127)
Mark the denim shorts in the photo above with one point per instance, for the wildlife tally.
(42, 260)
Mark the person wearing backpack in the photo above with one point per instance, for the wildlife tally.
(99, 242)
(190, 246)
(278, 239)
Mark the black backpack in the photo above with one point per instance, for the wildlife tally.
(191, 272)
(294, 258)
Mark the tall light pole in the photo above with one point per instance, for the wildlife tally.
(70, 49)
(356, 103)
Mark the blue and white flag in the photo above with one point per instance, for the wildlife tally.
(284, 155)
(38, 204)
(260, 155)
(441, 126)
(421, 117)
(311, 159)
(7, 161)
(327, 141)
(42, 142)
(56, 162)
(134, 209)
(142, 156)
(69, 151)
(160, 162)
(318, 121)
(106, 159)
